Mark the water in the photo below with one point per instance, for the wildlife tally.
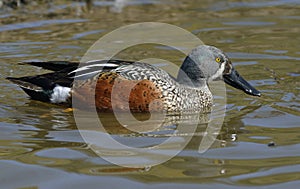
(40, 145)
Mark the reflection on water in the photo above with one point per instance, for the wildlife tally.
(141, 141)
(261, 38)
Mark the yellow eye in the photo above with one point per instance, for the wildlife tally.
(218, 59)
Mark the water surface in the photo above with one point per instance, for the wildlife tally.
(40, 145)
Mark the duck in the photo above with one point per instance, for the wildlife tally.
(120, 85)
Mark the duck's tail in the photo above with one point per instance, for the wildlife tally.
(53, 65)
(52, 87)
(56, 86)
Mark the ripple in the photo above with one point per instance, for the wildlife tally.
(276, 51)
(294, 74)
(252, 151)
(241, 55)
(272, 118)
(265, 176)
(221, 6)
(26, 25)
(249, 23)
(64, 153)
(83, 34)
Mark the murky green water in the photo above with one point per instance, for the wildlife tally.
(40, 146)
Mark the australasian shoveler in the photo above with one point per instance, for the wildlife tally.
(135, 86)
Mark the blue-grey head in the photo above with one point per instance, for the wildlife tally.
(207, 63)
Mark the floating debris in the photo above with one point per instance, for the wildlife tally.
(271, 144)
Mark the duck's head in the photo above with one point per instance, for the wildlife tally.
(207, 63)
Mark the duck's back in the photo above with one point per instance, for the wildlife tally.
(138, 87)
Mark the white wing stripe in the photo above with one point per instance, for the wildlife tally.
(93, 66)
(89, 73)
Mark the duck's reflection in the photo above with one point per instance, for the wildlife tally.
(139, 140)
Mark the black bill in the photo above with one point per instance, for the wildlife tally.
(235, 80)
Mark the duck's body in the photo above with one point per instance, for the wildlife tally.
(115, 85)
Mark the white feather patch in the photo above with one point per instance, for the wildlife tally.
(60, 94)
(219, 73)
(93, 66)
(86, 74)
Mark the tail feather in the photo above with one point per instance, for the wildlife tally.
(24, 84)
(34, 91)
(54, 65)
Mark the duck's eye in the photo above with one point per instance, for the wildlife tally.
(218, 59)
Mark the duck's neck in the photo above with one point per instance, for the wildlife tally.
(191, 75)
